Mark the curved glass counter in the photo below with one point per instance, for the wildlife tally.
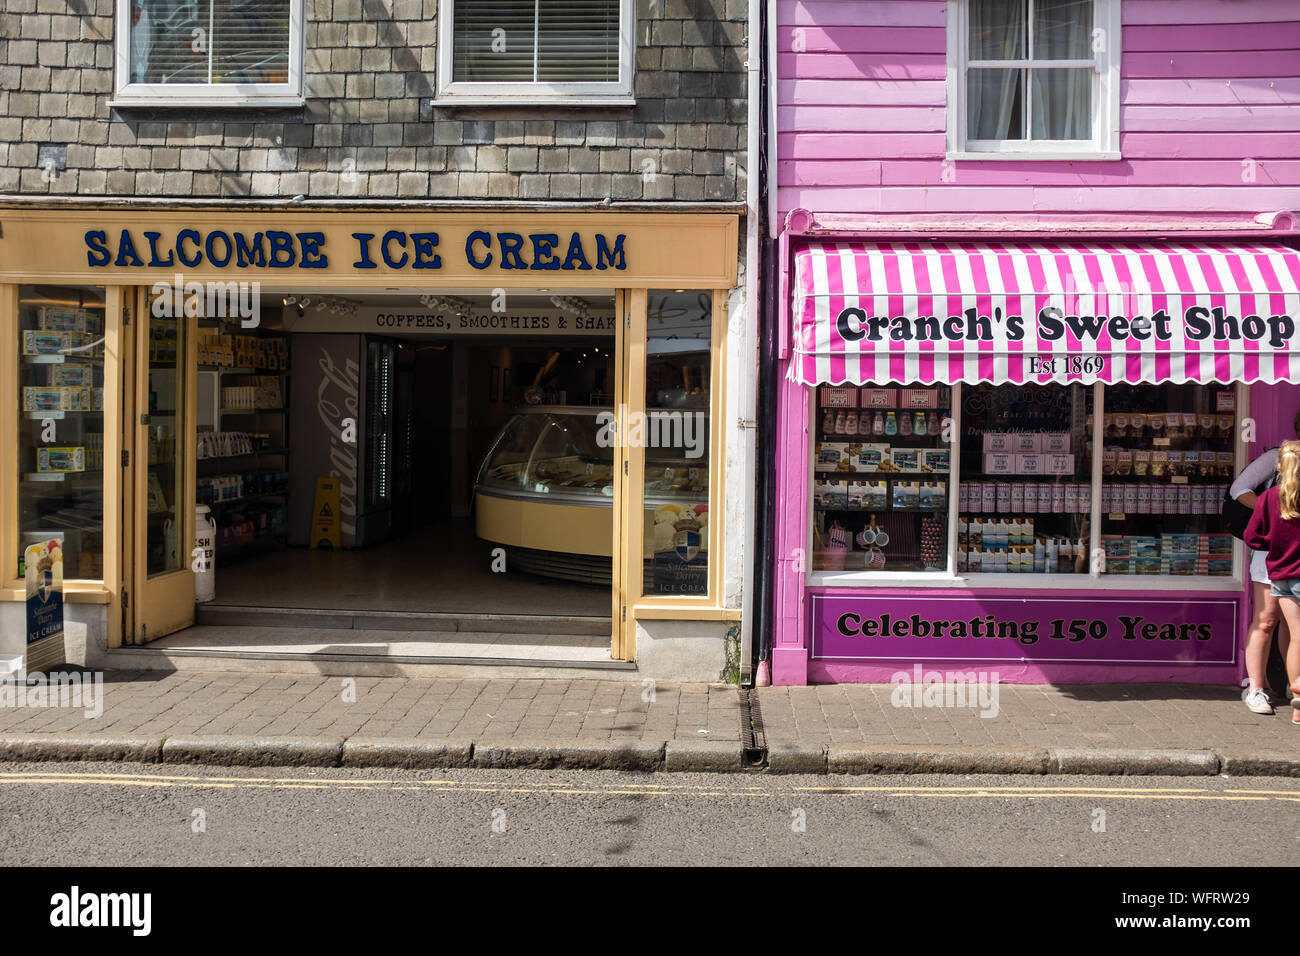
(546, 484)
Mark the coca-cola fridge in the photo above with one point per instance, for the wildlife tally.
(343, 395)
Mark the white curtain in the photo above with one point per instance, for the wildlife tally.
(1062, 99)
(994, 97)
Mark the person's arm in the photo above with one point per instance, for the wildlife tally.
(1257, 529)
(1254, 475)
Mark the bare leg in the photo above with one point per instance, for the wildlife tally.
(1291, 609)
(1267, 615)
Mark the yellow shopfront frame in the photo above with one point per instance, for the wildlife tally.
(76, 243)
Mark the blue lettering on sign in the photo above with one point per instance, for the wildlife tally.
(281, 244)
(208, 244)
(605, 254)
(154, 261)
(389, 261)
(312, 257)
(576, 255)
(97, 253)
(246, 254)
(193, 236)
(483, 237)
(511, 243)
(363, 243)
(544, 251)
(425, 257)
(399, 250)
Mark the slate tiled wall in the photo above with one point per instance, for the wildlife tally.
(368, 129)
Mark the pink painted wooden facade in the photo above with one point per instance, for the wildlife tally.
(1210, 140)
(1207, 85)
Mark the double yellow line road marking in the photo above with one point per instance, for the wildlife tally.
(727, 787)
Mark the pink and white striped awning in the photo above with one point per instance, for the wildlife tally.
(1024, 312)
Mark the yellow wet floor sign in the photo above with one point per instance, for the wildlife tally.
(325, 515)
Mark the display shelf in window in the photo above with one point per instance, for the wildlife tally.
(61, 423)
(881, 464)
(1025, 495)
(1167, 459)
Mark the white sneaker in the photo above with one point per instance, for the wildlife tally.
(1257, 701)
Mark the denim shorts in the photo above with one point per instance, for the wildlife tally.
(1289, 588)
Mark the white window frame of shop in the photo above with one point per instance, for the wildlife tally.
(128, 94)
(618, 93)
(1094, 579)
(1104, 145)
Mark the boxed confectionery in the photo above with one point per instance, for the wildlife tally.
(933, 495)
(45, 343)
(1217, 544)
(829, 455)
(838, 397)
(97, 399)
(56, 319)
(1058, 464)
(832, 494)
(42, 399)
(1026, 443)
(1056, 443)
(935, 459)
(906, 459)
(998, 441)
(878, 398)
(918, 398)
(71, 374)
(875, 495)
(1031, 464)
(905, 495)
(857, 494)
(52, 459)
(999, 463)
(874, 457)
(38, 399)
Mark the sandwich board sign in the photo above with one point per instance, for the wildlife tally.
(44, 646)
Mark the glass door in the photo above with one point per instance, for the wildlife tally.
(161, 418)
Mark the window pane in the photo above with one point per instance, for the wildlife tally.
(997, 29)
(493, 41)
(166, 453)
(1062, 30)
(995, 104)
(679, 380)
(250, 41)
(1026, 468)
(578, 41)
(61, 426)
(210, 41)
(881, 478)
(1062, 107)
(1168, 457)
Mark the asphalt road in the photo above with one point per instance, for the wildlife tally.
(114, 814)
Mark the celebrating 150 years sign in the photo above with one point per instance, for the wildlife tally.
(1178, 630)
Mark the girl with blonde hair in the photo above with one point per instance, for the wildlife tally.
(1275, 529)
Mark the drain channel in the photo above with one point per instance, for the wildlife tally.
(753, 741)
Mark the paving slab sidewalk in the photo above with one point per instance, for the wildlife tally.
(1080, 728)
(275, 719)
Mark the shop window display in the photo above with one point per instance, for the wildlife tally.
(1026, 500)
(679, 381)
(1167, 459)
(881, 478)
(61, 426)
